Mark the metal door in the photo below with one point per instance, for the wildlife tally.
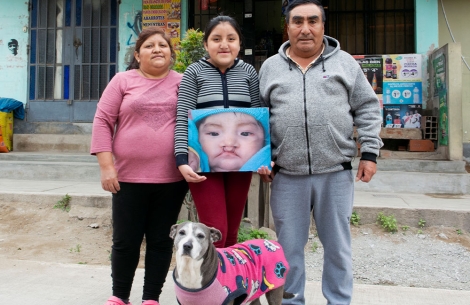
(72, 56)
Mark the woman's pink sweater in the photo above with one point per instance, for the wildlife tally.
(135, 120)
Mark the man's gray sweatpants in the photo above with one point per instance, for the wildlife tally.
(331, 195)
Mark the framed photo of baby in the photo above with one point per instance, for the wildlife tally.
(229, 139)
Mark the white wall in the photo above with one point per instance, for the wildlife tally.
(128, 30)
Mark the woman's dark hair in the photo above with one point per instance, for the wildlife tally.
(219, 19)
(143, 36)
(295, 3)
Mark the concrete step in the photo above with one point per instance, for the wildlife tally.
(400, 176)
(48, 157)
(50, 166)
(65, 143)
(408, 208)
(418, 176)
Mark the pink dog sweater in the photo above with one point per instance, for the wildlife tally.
(246, 271)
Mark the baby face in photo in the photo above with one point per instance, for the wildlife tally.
(230, 139)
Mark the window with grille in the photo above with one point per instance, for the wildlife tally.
(371, 26)
(204, 10)
(72, 57)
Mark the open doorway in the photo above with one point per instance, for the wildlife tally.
(261, 21)
(269, 26)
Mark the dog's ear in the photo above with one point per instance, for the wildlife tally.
(215, 235)
(173, 230)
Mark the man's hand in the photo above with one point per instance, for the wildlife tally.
(366, 170)
(189, 175)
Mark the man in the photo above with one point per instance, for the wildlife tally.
(315, 93)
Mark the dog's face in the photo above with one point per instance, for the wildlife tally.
(192, 239)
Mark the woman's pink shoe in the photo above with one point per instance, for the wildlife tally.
(150, 302)
(116, 301)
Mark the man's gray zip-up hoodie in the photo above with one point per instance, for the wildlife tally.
(312, 114)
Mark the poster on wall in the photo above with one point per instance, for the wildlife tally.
(402, 116)
(165, 14)
(371, 65)
(396, 79)
(402, 93)
(439, 67)
(402, 68)
(372, 68)
(229, 139)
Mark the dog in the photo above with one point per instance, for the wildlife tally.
(239, 274)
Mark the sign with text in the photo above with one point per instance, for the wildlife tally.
(165, 14)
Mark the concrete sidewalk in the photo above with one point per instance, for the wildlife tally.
(437, 209)
(34, 190)
(29, 282)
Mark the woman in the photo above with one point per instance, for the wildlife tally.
(219, 81)
(133, 141)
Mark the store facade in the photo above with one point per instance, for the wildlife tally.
(56, 56)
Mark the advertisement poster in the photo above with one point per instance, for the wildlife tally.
(396, 79)
(165, 14)
(372, 67)
(402, 116)
(229, 139)
(402, 93)
(401, 68)
(439, 67)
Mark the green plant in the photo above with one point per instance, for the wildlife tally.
(421, 223)
(64, 203)
(355, 218)
(459, 232)
(247, 234)
(389, 223)
(420, 231)
(314, 247)
(405, 228)
(192, 49)
(77, 248)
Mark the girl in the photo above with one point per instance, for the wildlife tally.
(219, 81)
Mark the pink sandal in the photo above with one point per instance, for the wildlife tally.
(116, 301)
(150, 302)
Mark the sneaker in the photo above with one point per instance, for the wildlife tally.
(116, 301)
(150, 302)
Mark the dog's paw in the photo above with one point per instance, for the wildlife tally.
(255, 249)
(230, 257)
(280, 270)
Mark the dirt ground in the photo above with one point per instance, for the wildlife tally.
(83, 235)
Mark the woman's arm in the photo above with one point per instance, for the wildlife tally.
(106, 115)
(109, 179)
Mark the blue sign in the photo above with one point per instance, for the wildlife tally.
(403, 93)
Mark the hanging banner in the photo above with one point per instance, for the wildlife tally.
(165, 14)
